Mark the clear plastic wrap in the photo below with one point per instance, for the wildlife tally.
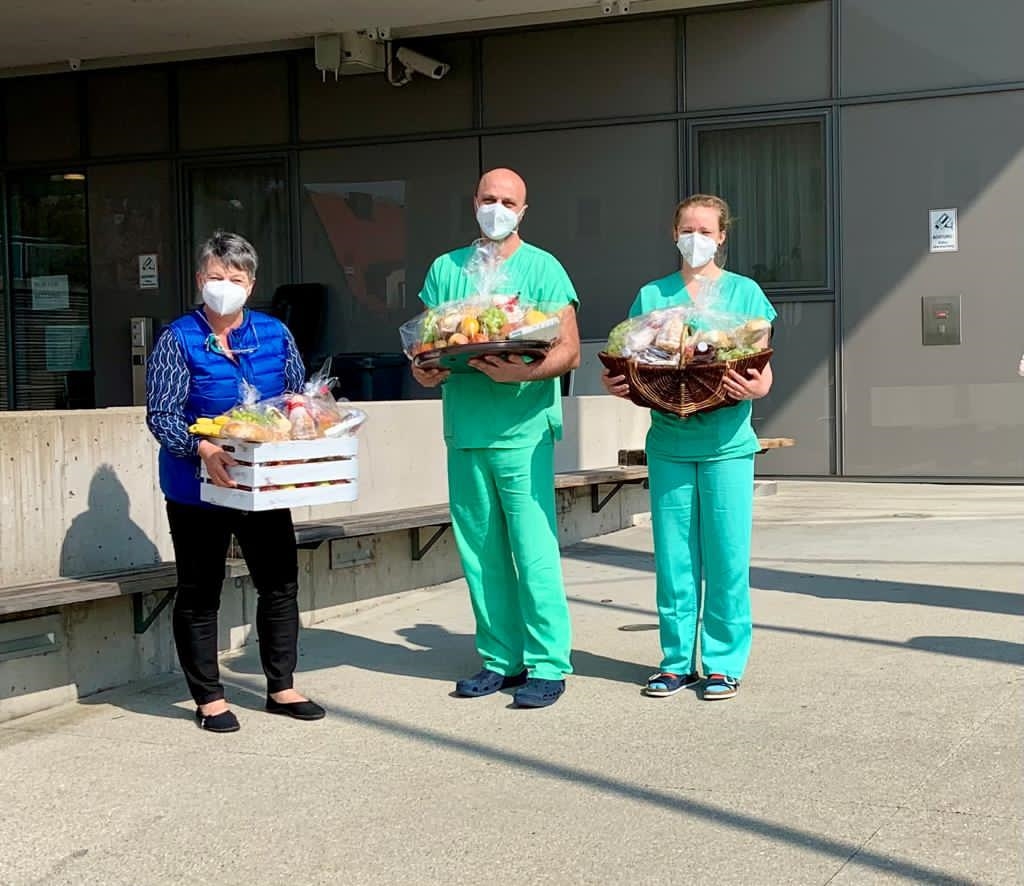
(490, 315)
(306, 415)
(696, 333)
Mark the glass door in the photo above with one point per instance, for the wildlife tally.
(49, 261)
(4, 326)
(250, 199)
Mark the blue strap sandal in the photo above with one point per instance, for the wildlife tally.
(664, 684)
(719, 687)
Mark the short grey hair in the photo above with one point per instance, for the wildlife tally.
(232, 250)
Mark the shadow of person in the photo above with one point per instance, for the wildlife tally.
(169, 699)
(430, 652)
(104, 538)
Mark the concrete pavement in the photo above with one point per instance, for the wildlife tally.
(876, 738)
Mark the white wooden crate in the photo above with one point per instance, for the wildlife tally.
(332, 464)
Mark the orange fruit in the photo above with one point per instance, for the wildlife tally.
(533, 317)
(470, 327)
(457, 339)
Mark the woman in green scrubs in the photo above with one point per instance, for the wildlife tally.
(701, 472)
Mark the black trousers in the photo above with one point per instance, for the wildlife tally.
(201, 536)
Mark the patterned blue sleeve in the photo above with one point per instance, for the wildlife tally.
(294, 368)
(167, 384)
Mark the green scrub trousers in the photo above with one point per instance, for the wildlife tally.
(702, 517)
(503, 517)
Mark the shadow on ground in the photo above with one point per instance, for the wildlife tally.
(830, 587)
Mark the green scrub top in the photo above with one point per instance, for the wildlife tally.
(726, 432)
(484, 414)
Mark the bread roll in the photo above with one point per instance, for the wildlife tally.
(243, 430)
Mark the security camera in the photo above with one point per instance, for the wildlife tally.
(421, 64)
(75, 64)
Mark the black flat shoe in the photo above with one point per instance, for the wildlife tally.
(225, 721)
(298, 710)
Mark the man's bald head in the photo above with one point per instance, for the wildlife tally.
(502, 186)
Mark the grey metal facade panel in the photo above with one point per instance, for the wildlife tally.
(601, 200)
(233, 103)
(622, 69)
(43, 119)
(902, 45)
(745, 57)
(801, 403)
(128, 112)
(911, 410)
(367, 105)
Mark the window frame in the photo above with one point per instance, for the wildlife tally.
(690, 174)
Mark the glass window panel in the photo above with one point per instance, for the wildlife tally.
(50, 283)
(773, 178)
(373, 219)
(251, 200)
(3, 309)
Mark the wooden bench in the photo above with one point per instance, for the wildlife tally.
(15, 599)
(414, 520)
(639, 456)
(35, 596)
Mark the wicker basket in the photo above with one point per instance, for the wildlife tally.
(694, 388)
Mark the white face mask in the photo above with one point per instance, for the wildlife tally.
(497, 222)
(697, 249)
(224, 297)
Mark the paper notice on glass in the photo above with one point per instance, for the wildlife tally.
(67, 349)
(942, 229)
(50, 293)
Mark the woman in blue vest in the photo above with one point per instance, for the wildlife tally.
(196, 369)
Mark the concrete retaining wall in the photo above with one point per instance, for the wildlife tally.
(79, 490)
(80, 496)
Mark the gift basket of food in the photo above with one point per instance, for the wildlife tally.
(491, 322)
(294, 450)
(675, 360)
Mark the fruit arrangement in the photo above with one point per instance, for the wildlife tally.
(500, 318)
(667, 338)
(309, 415)
(675, 360)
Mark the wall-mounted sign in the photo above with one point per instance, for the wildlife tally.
(149, 275)
(50, 293)
(942, 231)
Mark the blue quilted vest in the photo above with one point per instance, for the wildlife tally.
(261, 351)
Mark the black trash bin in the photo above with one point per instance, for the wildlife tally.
(367, 376)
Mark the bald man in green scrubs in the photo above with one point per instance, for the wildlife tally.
(500, 425)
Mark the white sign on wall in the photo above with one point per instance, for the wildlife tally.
(942, 230)
(50, 293)
(149, 275)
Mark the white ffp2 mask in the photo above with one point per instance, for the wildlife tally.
(497, 222)
(224, 297)
(697, 249)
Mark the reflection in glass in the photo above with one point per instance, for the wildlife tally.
(50, 285)
(250, 200)
(365, 224)
(773, 178)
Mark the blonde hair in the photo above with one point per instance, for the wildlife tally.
(708, 201)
